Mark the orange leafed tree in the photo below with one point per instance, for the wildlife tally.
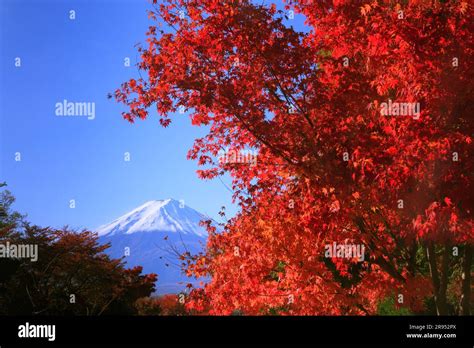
(363, 129)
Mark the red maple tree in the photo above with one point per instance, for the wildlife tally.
(363, 128)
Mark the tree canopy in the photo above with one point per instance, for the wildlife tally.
(363, 127)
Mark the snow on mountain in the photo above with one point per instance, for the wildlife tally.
(152, 236)
(166, 216)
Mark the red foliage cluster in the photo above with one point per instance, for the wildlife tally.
(332, 167)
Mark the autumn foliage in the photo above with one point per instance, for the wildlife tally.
(331, 167)
(168, 304)
(71, 275)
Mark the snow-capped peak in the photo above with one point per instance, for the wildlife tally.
(167, 215)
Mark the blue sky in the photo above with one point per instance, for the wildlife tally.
(64, 158)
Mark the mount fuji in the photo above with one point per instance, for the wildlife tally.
(152, 236)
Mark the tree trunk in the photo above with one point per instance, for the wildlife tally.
(443, 285)
(466, 281)
(412, 260)
(439, 281)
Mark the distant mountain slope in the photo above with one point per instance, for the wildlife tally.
(154, 234)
